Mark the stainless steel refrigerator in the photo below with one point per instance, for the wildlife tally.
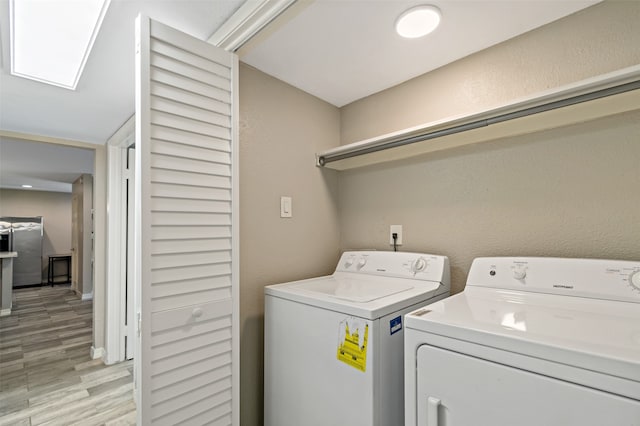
(24, 235)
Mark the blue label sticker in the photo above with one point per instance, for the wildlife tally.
(395, 325)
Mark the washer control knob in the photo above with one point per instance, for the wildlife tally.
(634, 280)
(361, 262)
(519, 273)
(348, 262)
(419, 265)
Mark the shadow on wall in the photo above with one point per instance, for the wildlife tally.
(458, 275)
(252, 362)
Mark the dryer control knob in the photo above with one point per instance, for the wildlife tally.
(419, 265)
(519, 273)
(634, 280)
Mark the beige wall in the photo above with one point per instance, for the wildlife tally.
(100, 243)
(570, 192)
(281, 129)
(54, 207)
(594, 41)
(567, 192)
(82, 230)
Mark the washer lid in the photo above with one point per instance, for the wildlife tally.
(597, 335)
(365, 296)
(356, 289)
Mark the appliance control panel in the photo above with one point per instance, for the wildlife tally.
(419, 266)
(594, 278)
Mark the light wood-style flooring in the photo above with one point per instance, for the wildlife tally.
(46, 374)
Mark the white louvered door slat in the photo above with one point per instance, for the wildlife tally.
(186, 249)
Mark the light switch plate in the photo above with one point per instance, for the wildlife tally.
(286, 207)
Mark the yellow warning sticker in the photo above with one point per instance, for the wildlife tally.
(352, 344)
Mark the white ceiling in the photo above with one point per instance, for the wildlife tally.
(45, 166)
(337, 50)
(345, 50)
(104, 98)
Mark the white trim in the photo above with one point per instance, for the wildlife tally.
(86, 296)
(5, 312)
(246, 22)
(114, 261)
(99, 244)
(235, 242)
(97, 353)
(142, 221)
(123, 137)
(49, 139)
(116, 208)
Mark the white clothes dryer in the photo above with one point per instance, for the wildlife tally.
(334, 345)
(529, 342)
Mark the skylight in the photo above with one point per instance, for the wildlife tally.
(51, 39)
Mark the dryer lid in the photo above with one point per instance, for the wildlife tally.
(598, 335)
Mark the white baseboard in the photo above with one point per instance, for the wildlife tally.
(97, 353)
(5, 312)
(87, 296)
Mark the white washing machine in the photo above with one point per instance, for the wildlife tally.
(334, 345)
(529, 342)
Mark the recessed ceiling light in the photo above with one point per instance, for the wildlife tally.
(418, 21)
(51, 40)
(27, 186)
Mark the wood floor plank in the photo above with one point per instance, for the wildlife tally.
(116, 413)
(126, 420)
(83, 407)
(107, 386)
(13, 405)
(89, 364)
(46, 374)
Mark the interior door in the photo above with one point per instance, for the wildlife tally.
(186, 228)
(459, 390)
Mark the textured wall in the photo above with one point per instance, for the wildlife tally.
(281, 129)
(570, 192)
(594, 41)
(54, 207)
(566, 192)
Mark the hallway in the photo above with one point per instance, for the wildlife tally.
(46, 374)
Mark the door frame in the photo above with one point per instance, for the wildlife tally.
(115, 310)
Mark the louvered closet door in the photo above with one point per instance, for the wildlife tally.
(186, 200)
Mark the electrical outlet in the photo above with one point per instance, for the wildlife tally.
(395, 229)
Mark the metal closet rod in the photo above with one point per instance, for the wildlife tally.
(627, 87)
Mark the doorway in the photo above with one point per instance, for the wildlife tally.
(53, 165)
